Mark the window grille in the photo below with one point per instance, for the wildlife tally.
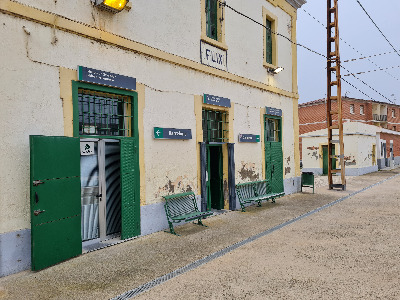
(352, 108)
(272, 130)
(104, 114)
(215, 126)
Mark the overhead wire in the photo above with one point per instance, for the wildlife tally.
(348, 44)
(372, 71)
(224, 4)
(377, 27)
(374, 55)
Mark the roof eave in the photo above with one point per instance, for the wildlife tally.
(296, 3)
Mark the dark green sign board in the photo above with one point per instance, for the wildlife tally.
(216, 100)
(106, 78)
(172, 133)
(249, 138)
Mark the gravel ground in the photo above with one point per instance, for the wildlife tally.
(348, 251)
(310, 257)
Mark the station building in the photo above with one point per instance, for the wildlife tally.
(103, 112)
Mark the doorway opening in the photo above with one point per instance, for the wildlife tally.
(100, 190)
(215, 196)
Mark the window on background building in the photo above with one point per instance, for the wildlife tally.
(352, 108)
(393, 113)
(394, 128)
(361, 109)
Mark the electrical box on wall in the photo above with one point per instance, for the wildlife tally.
(113, 6)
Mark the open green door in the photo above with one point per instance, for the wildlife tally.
(130, 187)
(55, 200)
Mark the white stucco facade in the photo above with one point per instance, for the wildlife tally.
(158, 43)
(359, 141)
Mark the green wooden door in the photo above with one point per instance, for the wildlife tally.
(325, 158)
(277, 167)
(55, 200)
(273, 153)
(130, 186)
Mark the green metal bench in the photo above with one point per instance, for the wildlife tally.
(183, 207)
(255, 191)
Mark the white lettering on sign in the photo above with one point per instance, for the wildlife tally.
(101, 75)
(213, 56)
(175, 133)
(87, 148)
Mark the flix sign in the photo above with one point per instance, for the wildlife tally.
(213, 56)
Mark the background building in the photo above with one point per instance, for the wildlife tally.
(371, 135)
(104, 113)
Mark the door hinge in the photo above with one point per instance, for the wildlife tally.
(37, 182)
(38, 212)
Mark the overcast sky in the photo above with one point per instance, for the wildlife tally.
(356, 30)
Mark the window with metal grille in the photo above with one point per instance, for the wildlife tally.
(272, 130)
(268, 41)
(215, 126)
(104, 113)
(212, 19)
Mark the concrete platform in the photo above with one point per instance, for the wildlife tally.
(315, 256)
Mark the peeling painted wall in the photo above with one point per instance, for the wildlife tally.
(358, 140)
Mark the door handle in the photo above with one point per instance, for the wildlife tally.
(36, 197)
(38, 212)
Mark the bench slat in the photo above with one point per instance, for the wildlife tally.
(182, 207)
(255, 191)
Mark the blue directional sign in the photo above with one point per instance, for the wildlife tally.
(172, 133)
(106, 78)
(249, 138)
(216, 100)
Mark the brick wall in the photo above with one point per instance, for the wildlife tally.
(393, 122)
(396, 143)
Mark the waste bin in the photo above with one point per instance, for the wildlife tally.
(307, 180)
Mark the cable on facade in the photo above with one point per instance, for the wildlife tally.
(377, 27)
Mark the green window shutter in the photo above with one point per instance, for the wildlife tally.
(268, 42)
(212, 19)
(130, 199)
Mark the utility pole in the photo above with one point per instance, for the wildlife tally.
(333, 68)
